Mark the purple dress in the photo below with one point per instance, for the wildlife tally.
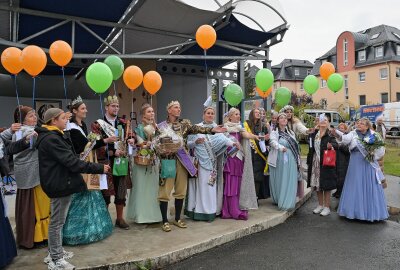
(233, 171)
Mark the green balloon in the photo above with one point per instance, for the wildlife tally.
(311, 84)
(99, 77)
(335, 82)
(264, 79)
(282, 96)
(233, 94)
(116, 65)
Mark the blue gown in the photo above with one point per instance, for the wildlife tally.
(88, 219)
(283, 179)
(8, 249)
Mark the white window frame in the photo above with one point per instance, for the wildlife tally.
(398, 49)
(323, 83)
(296, 72)
(377, 49)
(301, 86)
(380, 73)
(359, 76)
(345, 52)
(398, 72)
(383, 93)
(365, 56)
(346, 86)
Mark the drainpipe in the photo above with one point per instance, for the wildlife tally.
(390, 83)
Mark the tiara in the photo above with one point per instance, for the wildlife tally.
(76, 101)
(111, 99)
(173, 103)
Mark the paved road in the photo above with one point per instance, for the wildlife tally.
(307, 241)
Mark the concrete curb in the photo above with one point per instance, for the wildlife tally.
(184, 253)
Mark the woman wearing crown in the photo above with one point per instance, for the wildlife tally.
(88, 219)
(143, 206)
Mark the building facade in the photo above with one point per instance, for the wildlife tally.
(369, 62)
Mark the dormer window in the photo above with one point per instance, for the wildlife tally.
(375, 36)
(361, 56)
(296, 72)
(379, 52)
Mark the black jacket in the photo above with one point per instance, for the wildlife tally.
(59, 167)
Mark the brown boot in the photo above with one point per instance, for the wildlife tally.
(120, 222)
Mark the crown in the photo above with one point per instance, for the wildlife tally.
(173, 103)
(76, 101)
(111, 99)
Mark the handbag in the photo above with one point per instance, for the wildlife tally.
(329, 158)
(92, 180)
(120, 166)
(168, 168)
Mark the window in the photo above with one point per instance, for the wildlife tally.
(361, 56)
(323, 83)
(384, 97)
(275, 86)
(308, 72)
(362, 100)
(398, 49)
(383, 73)
(398, 96)
(361, 76)
(375, 36)
(379, 52)
(296, 72)
(346, 87)
(324, 61)
(345, 52)
(398, 73)
(301, 87)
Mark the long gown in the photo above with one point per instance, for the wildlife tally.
(143, 205)
(283, 179)
(233, 171)
(8, 249)
(88, 219)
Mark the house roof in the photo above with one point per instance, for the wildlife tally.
(285, 70)
(294, 62)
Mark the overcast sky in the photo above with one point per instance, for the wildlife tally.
(316, 24)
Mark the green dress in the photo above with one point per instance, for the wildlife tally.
(143, 205)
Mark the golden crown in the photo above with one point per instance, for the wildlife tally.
(173, 103)
(111, 99)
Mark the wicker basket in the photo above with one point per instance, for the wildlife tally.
(144, 161)
(168, 148)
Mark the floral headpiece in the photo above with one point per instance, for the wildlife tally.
(111, 99)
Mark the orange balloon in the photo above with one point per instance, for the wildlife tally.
(152, 82)
(264, 94)
(206, 36)
(34, 60)
(133, 77)
(326, 70)
(60, 52)
(11, 60)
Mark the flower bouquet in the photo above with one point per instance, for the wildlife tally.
(371, 143)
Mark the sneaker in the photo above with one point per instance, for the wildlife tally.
(325, 212)
(60, 264)
(66, 256)
(318, 210)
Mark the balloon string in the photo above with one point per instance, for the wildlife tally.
(115, 91)
(65, 87)
(16, 91)
(151, 100)
(102, 115)
(131, 115)
(33, 92)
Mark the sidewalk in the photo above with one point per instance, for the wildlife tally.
(124, 249)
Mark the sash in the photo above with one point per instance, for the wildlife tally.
(255, 147)
(72, 125)
(378, 172)
(184, 158)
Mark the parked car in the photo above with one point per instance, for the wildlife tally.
(334, 116)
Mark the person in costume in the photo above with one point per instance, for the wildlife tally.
(117, 185)
(143, 206)
(238, 187)
(284, 165)
(178, 130)
(88, 219)
(259, 153)
(32, 208)
(202, 190)
(342, 162)
(362, 196)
